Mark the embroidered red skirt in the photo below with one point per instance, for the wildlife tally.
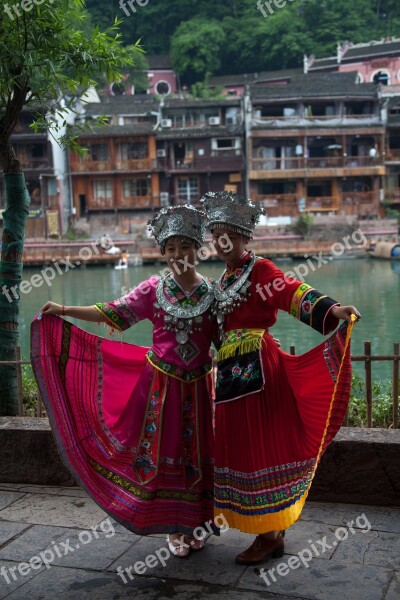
(269, 443)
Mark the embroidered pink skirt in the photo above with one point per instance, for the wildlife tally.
(140, 442)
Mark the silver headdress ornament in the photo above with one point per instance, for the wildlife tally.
(233, 211)
(182, 221)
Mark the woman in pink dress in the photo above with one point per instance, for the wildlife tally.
(134, 424)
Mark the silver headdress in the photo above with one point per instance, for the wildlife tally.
(233, 211)
(182, 221)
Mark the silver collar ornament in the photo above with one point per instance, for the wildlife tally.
(225, 301)
(183, 320)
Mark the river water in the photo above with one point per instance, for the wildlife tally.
(371, 285)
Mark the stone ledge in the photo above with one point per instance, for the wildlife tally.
(361, 466)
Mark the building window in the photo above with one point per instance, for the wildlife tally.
(99, 152)
(163, 88)
(38, 151)
(188, 188)
(102, 189)
(135, 187)
(225, 146)
(382, 77)
(134, 150)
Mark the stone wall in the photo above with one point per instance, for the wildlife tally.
(361, 466)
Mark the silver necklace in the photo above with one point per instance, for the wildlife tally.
(183, 320)
(233, 296)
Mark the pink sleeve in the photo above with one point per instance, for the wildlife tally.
(131, 308)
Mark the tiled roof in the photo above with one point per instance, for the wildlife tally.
(323, 63)
(316, 85)
(159, 61)
(117, 130)
(206, 132)
(370, 50)
(123, 105)
(199, 103)
(244, 78)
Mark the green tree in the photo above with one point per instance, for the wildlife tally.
(47, 61)
(195, 48)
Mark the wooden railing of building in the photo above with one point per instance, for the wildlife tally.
(368, 358)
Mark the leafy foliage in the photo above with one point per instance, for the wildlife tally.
(303, 225)
(49, 56)
(252, 42)
(382, 404)
(191, 56)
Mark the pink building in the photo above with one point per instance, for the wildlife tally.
(161, 77)
(375, 62)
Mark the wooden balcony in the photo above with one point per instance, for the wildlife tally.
(32, 164)
(97, 166)
(392, 155)
(100, 203)
(326, 166)
(349, 203)
(392, 196)
(279, 205)
(135, 202)
(306, 120)
(354, 203)
(201, 163)
(91, 166)
(142, 164)
(321, 204)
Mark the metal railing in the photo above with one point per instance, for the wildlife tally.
(367, 358)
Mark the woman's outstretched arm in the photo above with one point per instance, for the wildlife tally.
(85, 313)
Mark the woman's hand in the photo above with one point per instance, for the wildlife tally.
(344, 312)
(51, 308)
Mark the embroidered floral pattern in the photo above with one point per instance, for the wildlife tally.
(144, 462)
(262, 492)
(175, 294)
(229, 278)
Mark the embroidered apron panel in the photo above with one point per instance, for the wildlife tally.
(239, 376)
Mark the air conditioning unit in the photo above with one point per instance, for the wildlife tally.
(161, 153)
(214, 121)
(166, 123)
(164, 198)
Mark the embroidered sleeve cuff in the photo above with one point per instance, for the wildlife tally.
(113, 319)
(313, 308)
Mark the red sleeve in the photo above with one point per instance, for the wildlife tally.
(297, 298)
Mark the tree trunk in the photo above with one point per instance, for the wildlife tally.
(14, 223)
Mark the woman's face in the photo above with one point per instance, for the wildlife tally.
(180, 253)
(229, 244)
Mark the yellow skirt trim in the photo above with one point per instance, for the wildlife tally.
(288, 516)
(240, 341)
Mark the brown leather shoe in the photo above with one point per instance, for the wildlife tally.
(260, 550)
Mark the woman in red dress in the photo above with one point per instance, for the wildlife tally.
(275, 413)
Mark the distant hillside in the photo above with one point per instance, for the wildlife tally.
(233, 36)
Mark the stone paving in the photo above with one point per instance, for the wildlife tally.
(56, 543)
